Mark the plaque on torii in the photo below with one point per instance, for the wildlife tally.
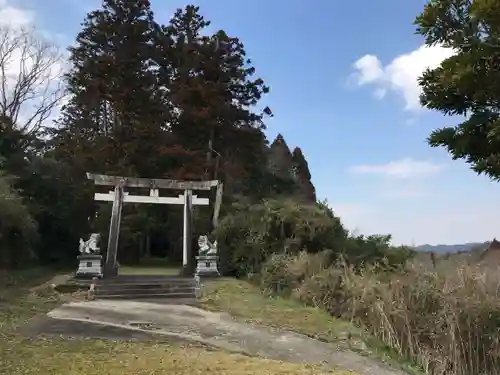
(119, 196)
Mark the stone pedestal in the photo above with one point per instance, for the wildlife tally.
(90, 265)
(206, 265)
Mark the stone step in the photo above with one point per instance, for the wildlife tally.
(145, 286)
(140, 287)
(142, 291)
(145, 279)
(192, 301)
(158, 295)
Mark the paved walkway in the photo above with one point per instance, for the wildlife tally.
(215, 329)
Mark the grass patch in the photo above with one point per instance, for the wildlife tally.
(63, 356)
(18, 282)
(244, 300)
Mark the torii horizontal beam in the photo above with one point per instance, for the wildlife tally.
(110, 197)
(153, 183)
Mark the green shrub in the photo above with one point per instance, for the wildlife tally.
(324, 289)
(282, 273)
(275, 276)
(304, 265)
(18, 230)
(398, 256)
(376, 249)
(248, 234)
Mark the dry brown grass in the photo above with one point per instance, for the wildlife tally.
(448, 322)
(446, 319)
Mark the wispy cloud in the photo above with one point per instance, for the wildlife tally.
(406, 168)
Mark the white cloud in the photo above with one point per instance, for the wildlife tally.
(401, 74)
(14, 16)
(406, 168)
(370, 69)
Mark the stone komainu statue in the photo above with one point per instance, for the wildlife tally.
(91, 246)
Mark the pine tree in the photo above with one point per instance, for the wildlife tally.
(303, 175)
(212, 89)
(280, 158)
(278, 177)
(117, 109)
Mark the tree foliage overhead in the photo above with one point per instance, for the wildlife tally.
(466, 84)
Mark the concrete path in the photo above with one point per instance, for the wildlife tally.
(215, 329)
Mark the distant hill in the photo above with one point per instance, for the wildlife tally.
(442, 249)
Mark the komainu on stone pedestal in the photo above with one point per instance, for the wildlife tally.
(207, 259)
(90, 259)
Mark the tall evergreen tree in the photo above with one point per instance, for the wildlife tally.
(280, 158)
(117, 107)
(303, 175)
(278, 176)
(212, 89)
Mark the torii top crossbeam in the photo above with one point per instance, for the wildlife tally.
(153, 183)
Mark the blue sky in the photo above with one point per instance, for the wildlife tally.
(343, 88)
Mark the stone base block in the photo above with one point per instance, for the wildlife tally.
(89, 266)
(206, 265)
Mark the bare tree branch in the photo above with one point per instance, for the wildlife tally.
(30, 78)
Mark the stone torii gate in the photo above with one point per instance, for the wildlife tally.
(118, 196)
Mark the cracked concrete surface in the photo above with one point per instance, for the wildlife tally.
(182, 322)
